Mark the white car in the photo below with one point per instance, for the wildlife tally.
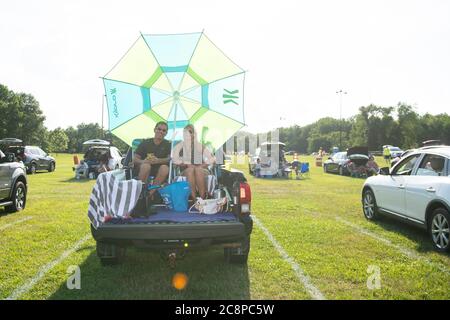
(94, 150)
(416, 189)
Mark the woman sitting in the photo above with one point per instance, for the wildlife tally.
(194, 159)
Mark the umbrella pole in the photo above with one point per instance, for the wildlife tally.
(173, 138)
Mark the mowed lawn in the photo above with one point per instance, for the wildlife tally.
(316, 223)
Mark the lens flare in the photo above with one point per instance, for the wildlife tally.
(179, 281)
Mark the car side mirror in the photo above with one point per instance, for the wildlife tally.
(385, 171)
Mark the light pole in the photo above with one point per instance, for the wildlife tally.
(103, 108)
(340, 93)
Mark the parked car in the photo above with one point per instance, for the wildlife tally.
(94, 150)
(337, 164)
(417, 190)
(355, 162)
(13, 181)
(271, 165)
(395, 152)
(173, 234)
(14, 146)
(37, 159)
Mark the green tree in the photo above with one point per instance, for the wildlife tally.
(57, 140)
(408, 124)
(21, 117)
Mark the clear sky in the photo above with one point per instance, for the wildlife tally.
(297, 53)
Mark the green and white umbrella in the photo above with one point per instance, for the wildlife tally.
(179, 78)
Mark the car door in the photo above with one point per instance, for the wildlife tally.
(36, 156)
(423, 184)
(391, 189)
(43, 160)
(333, 165)
(4, 177)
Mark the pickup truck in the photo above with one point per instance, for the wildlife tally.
(175, 234)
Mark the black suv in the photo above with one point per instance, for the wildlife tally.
(13, 178)
(36, 159)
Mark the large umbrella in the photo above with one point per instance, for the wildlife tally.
(178, 78)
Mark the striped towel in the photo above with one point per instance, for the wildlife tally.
(113, 196)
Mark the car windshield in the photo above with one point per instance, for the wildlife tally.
(395, 149)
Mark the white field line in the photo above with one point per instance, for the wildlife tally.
(405, 251)
(30, 283)
(312, 290)
(6, 226)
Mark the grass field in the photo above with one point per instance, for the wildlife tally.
(317, 224)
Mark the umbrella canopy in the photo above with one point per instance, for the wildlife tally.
(179, 78)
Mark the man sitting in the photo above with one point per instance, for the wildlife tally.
(152, 157)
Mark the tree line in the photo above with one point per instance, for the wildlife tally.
(22, 118)
(373, 126)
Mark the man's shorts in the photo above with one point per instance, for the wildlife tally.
(153, 170)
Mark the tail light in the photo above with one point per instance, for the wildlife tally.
(245, 197)
(245, 193)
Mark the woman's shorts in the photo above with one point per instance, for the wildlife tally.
(205, 172)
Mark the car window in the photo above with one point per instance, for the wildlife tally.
(34, 151)
(40, 151)
(405, 167)
(431, 165)
(30, 150)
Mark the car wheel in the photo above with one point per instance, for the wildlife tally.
(51, 167)
(341, 171)
(32, 169)
(369, 203)
(19, 198)
(440, 229)
(325, 169)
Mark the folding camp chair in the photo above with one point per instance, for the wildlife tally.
(304, 170)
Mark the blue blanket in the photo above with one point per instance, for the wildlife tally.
(168, 216)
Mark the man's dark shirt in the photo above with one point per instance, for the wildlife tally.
(148, 146)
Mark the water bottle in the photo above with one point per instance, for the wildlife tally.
(150, 180)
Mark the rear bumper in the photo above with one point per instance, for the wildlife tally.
(216, 232)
